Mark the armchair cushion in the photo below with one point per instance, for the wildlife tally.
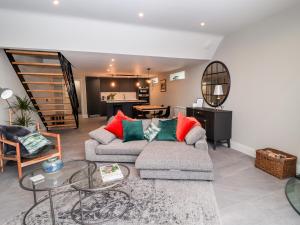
(12, 133)
(33, 142)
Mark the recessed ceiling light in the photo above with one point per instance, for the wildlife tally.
(141, 15)
(110, 65)
(108, 70)
(112, 59)
(55, 2)
(202, 24)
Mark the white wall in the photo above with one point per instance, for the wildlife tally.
(9, 79)
(42, 31)
(263, 60)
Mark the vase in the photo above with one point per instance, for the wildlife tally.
(52, 165)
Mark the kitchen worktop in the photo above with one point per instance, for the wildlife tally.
(124, 101)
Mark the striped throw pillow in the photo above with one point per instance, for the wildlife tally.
(33, 142)
(151, 132)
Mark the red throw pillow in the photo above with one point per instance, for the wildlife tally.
(115, 126)
(184, 125)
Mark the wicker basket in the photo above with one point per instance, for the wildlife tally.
(276, 163)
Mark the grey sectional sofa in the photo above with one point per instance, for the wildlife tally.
(157, 159)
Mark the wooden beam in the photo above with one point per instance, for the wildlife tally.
(49, 91)
(36, 53)
(53, 115)
(60, 121)
(62, 125)
(44, 82)
(49, 98)
(54, 110)
(40, 74)
(35, 64)
(53, 104)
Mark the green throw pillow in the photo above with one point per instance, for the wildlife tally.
(132, 130)
(34, 142)
(168, 130)
(151, 132)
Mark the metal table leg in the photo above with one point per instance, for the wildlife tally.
(51, 207)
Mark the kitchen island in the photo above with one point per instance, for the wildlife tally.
(112, 106)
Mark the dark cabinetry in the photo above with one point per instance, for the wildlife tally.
(217, 123)
(93, 95)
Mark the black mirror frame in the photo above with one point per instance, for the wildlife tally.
(229, 83)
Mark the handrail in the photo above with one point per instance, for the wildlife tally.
(70, 84)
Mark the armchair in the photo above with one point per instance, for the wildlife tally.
(56, 152)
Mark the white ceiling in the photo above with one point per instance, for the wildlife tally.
(220, 16)
(96, 64)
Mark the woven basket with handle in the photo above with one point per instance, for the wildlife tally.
(276, 163)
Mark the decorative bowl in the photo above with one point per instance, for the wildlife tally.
(52, 165)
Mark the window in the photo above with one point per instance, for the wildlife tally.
(177, 76)
(154, 80)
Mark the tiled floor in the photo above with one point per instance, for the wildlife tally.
(245, 195)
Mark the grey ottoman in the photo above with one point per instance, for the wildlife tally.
(174, 160)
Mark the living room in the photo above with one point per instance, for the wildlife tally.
(152, 61)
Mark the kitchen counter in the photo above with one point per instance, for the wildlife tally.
(112, 106)
(124, 101)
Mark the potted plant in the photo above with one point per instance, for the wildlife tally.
(22, 108)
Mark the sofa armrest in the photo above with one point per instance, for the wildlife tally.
(202, 144)
(90, 146)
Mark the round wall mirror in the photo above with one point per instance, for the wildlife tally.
(215, 84)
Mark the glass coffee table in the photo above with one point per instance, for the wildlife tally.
(99, 201)
(55, 181)
(292, 191)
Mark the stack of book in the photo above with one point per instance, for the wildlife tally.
(110, 173)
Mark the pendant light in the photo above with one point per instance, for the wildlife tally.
(148, 80)
(113, 83)
(138, 84)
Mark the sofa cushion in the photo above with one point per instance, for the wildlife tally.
(132, 130)
(115, 126)
(151, 132)
(194, 135)
(102, 135)
(168, 130)
(118, 147)
(184, 125)
(160, 155)
(146, 123)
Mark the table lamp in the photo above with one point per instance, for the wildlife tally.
(218, 92)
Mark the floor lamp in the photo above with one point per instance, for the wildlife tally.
(6, 93)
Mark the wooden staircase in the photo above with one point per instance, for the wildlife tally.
(48, 80)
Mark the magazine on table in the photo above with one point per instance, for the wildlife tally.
(111, 173)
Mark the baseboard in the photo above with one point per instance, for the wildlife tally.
(243, 148)
(251, 151)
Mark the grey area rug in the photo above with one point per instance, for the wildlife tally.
(152, 202)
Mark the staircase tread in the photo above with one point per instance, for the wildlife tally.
(43, 82)
(40, 74)
(35, 64)
(37, 53)
(48, 90)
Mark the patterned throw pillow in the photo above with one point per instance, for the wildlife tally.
(33, 142)
(151, 132)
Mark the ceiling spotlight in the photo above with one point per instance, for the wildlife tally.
(108, 70)
(110, 65)
(112, 59)
(55, 2)
(202, 24)
(141, 15)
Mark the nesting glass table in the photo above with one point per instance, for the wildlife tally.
(292, 191)
(84, 177)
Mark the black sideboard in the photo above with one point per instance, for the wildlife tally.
(217, 123)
